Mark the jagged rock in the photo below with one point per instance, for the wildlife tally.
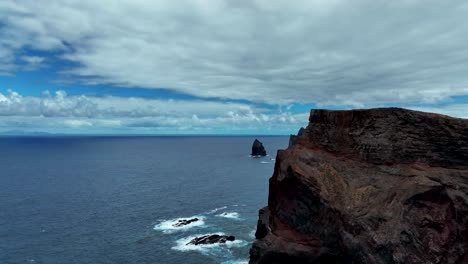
(294, 138)
(211, 239)
(183, 222)
(369, 186)
(258, 149)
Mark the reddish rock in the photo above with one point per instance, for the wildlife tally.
(369, 186)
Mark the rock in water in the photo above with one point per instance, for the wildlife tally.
(211, 239)
(258, 149)
(369, 186)
(183, 222)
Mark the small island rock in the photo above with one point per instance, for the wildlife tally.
(211, 239)
(258, 149)
(183, 222)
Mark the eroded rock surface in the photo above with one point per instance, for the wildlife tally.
(293, 138)
(369, 186)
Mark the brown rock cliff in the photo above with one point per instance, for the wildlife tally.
(382, 185)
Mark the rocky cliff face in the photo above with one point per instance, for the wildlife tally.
(369, 186)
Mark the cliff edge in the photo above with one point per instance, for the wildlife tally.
(385, 185)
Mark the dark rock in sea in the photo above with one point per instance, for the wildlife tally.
(211, 239)
(382, 185)
(258, 149)
(294, 138)
(183, 222)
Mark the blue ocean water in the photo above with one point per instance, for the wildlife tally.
(114, 199)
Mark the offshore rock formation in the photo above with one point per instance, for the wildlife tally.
(184, 222)
(369, 186)
(258, 149)
(211, 239)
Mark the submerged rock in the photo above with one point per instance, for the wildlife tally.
(369, 186)
(258, 149)
(183, 222)
(211, 239)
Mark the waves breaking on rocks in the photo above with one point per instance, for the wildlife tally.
(236, 261)
(210, 221)
(216, 249)
(171, 226)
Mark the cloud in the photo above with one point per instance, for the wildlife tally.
(88, 114)
(455, 110)
(77, 123)
(32, 63)
(62, 113)
(325, 52)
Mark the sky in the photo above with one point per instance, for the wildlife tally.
(224, 66)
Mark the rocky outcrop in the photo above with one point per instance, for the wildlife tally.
(258, 149)
(293, 138)
(184, 222)
(369, 186)
(211, 239)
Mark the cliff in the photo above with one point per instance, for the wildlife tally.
(369, 186)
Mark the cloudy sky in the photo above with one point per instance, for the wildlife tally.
(224, 67)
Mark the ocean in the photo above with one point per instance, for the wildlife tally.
(90, 199)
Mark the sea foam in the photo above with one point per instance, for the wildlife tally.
(252, 233)
(230, 215)
(236, 261)
(217, 209)
(217, 249)
(167, 226)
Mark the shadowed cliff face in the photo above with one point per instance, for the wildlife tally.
(369, 186)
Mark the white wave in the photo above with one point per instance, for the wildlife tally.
(230, 215)
(265, 162)
(217, 209)
(252, 233)
(212, 249)
(167, 226)
(236, 261)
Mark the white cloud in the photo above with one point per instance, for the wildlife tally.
(77, 123)
(90, 114)
(32, 63)
(456, 110)
(326, 52)
(87, 114)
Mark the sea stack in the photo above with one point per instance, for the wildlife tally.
(384, 185)
(258, 149)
